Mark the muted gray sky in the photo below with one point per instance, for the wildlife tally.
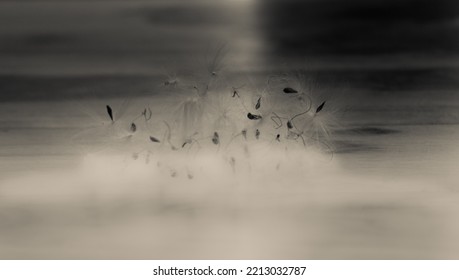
(147, 30)
(415, 43)
(362, 27)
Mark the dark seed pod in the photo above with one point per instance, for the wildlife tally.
(154, 139)
(147, 113)
(253, 117)
(257, 134)
(289, 125)
(321, 106)
(110, 112)
(290, 90)
(133, 127)
(278, 137)
(216, 138)
(244, 134)
(188, 141)
(257, 106)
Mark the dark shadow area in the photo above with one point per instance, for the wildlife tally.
(368, 130)
(358, 27)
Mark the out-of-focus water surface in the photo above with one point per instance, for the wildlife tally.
(390, 191)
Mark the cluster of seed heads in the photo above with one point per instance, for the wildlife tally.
(278, 121)
(255, 114)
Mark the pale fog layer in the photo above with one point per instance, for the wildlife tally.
(385, 193)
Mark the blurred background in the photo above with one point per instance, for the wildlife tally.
(391, 67)
(380, 62)
(376, 45)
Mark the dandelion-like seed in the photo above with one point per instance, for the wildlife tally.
(234, 123)
(251, 116)
(171, 80)
(215, 63)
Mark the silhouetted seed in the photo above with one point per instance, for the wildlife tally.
(321, 106)
(172, 82)
(168, 137)
(188, 141)
(257, 134)
(290, 90)
(244, 134)
(133, 127)
(147, 113)
(216, 139)
(154, 139)
(253, 117)
(135, 156)
(278, 137)
(289, 125)
(257, 106)
(235, 91)
(110, 112)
